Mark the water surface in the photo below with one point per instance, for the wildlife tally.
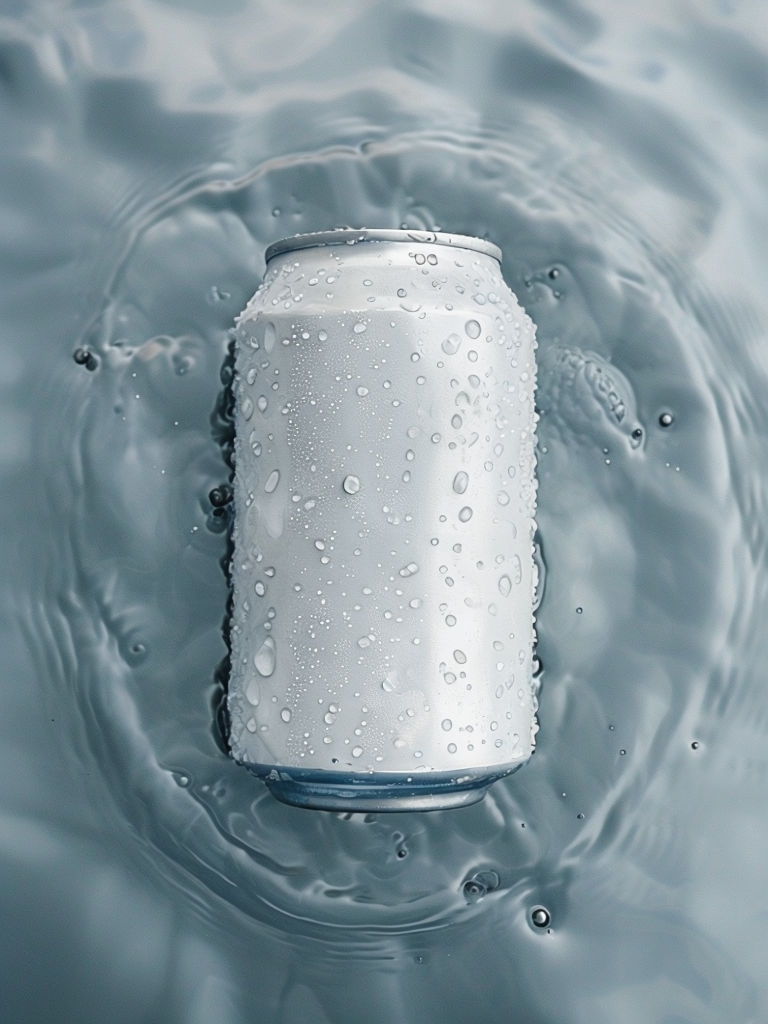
(150, 153)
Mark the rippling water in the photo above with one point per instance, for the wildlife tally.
(150, 152)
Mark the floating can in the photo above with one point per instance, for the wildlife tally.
(382, 630)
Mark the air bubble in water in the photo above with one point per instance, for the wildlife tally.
(351, 484)
(460, 482)
(265, 658)
(479, 885)
(540, 917)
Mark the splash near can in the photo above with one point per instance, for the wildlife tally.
(383, 572)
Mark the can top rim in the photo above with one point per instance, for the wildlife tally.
(351, 236)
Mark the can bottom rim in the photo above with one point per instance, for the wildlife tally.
(387, 791)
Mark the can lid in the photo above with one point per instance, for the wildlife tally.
(351, 236)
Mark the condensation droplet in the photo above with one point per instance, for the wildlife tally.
(262, 403)
(362, 391)
(446, 725)
(460, 657)
(359, 327)
(451, 344)
(351, 484)
(505, 585)
(259, 588)
(460, 482)
(357, 751)
(472, 328)
(465, 514)
(247, 408)
(272, 481)
(285, 714)
(265, 658)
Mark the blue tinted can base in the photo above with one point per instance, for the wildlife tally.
(341, 791)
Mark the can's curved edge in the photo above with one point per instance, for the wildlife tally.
(387, 791)
(352, 236)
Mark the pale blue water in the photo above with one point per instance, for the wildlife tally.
(617, 153)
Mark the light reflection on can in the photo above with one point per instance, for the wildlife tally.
(382, 630)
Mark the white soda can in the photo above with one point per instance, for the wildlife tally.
(382, 632)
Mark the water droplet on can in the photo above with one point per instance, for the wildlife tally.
(265, 658)
(460, 482)
(465, 514)
(472, 328)
(351, 484)
(272, 481)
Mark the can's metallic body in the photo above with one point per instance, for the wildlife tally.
(383, 569)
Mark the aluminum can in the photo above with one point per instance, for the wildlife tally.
(384, 501)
